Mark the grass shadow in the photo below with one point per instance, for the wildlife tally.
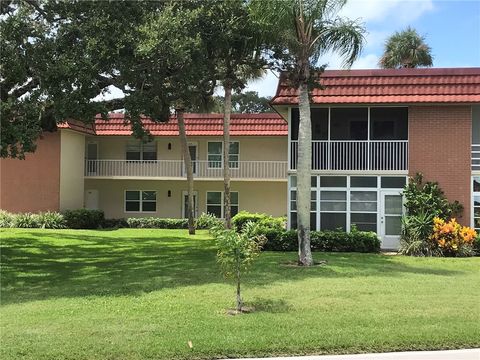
(270, 305)
(43, 264)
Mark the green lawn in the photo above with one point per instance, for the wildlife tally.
(143, 294)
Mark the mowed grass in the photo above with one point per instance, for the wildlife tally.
(144, 294)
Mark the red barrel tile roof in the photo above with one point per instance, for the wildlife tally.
(389, 86)
(266, 124)
(77, 126)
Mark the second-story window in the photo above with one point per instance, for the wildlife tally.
(136, 150)
(215, 154)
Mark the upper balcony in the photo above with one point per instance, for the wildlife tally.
(175, 170)
(366, 155)
(354, 139)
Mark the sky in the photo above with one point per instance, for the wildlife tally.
(450, 27)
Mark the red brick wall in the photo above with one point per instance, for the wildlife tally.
(440, 148)
(33, 184)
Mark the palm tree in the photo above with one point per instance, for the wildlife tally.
(406, 49)
(236, 44)
(300, 31)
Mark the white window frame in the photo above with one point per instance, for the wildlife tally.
(348, 189)
(221, 155)
(142, 144)
(140, 201)
(222, 200)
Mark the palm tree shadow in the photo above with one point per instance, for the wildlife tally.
(89, 264)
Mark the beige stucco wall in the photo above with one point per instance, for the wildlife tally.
(72, 156)
(252, 148)
(265, 197)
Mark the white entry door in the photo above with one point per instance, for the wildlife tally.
(185, 204)
(91, 199)
(391, 211)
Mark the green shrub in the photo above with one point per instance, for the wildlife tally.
(476, 245)
(207, 221)
(84, 219)
(263, 220)
(51, 220)
(428, 198)
(333, 241)
(157, 223)
(416, 230)
(115, 223)
(25, 220)
(46, 220)
(6, 219)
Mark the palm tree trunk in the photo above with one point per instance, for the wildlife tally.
(226, 155)
(188, 166)
(304, 173)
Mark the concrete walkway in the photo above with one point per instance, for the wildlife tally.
(467, 354)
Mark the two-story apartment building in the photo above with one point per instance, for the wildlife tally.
(371, 129)
(104, 167)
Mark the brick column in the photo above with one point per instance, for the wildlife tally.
(440, 148)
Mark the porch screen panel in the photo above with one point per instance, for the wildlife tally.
(390, 123)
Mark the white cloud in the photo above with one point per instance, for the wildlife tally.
(369, 61)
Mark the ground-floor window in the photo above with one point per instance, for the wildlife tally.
(341, 202)
(215, 203)
(476, 203)
(140, 201)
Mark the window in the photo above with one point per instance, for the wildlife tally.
(333, 210)
(349, 123)
(389, 123)
(393, 182)
(333, 181)
(476, 203)
(293, 181)
(215, 202)
(140, 201)
(363, 210)
(136, 150)
(363, 181)
(215, 154)
(319, 118)
(313, 209)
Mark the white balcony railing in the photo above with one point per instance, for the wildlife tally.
(273, 170)
(355, 155)
(476, 157)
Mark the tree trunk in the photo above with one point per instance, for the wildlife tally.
(239, 297)
(304, 173)
(226, 156)
(188, 167)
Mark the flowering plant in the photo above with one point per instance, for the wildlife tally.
(451, 237)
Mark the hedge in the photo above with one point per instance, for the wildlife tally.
(263, 220)
(84, 219)
(333, 241)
